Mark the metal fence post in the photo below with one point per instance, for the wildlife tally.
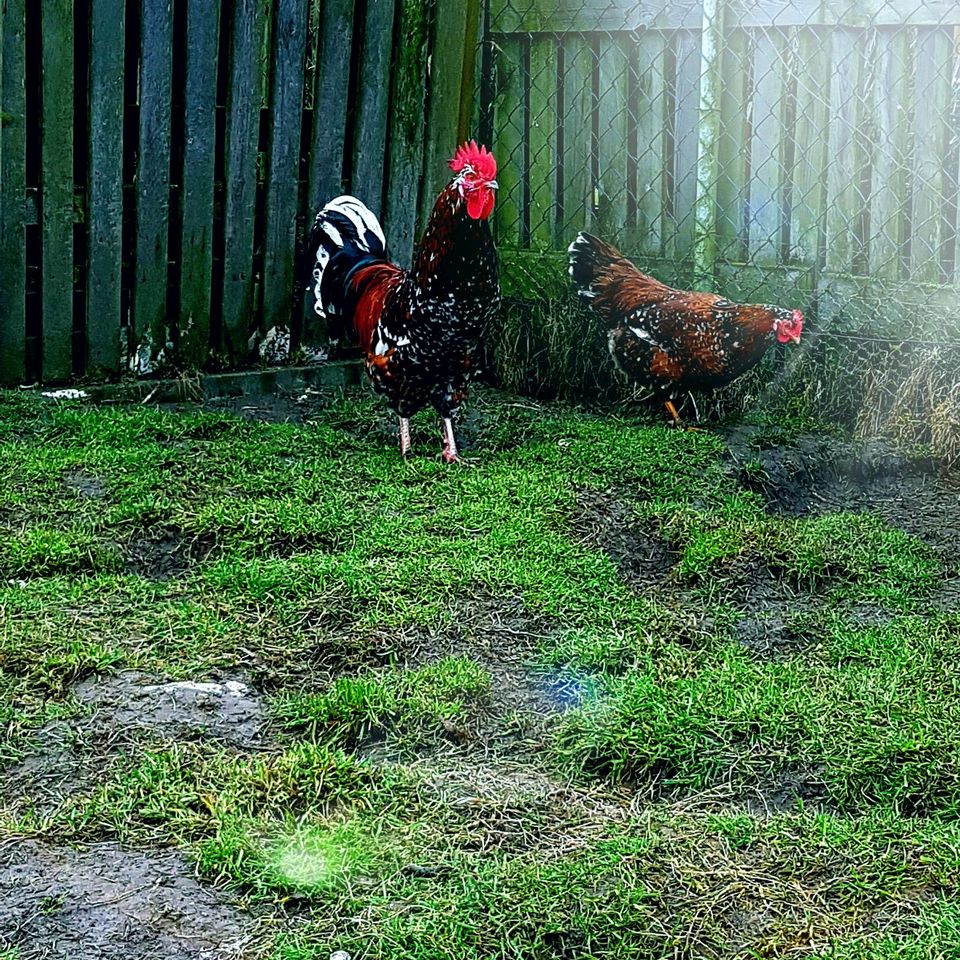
(708, 138)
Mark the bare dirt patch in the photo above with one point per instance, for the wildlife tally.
(164, 556)
(226, 711)
(106, 902)
(603, 520)
(818, 475)
(85, 485)
(67, 757)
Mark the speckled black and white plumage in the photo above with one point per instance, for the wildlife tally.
(420, 330)
(672, 341)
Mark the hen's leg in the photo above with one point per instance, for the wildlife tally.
(405, 443)
(675, 416)
(450, 454)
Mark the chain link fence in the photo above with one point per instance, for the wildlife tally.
(804, 152)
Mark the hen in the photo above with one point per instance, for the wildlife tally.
(420, 330)
(673, 341)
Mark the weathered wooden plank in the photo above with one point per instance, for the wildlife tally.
(950, 247)
(932, 96)
(889, 199)
(766, 147)
(407, 129)
(844, 205)
(509, 136)
(733, 148)
(243, 105)
(612, 115)
(105, 215)
(330, 99)
(12, 194)
(518, 16)
(575, 187)
(203, 37)
(149, 320)
(851, 13)
(57, 181)
(370, 142)
(686, 145)
(286, 104)
(808, 194)
(468, 122)
(651, 121)
(708, 140)
(443, 117)
(542, 143)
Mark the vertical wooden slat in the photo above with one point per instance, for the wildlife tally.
(844, 204)
(708, 141)
(148, 327)
(446, 78)
(650, 124)
(244, 100)
(542, 172)
(577, 190)
(370, 142)
(810, 167)
(509, 134)
(932, 93)
(889, 198)
(198, 173)
(733, 149)
(611, 198)
(406, 139)
(57, 184)
(686, 143)
(330, 101)
(766, 167)
(105, 217)
(12, 193)
(286, 103)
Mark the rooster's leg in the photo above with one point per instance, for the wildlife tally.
(405, 444)
(450, 454)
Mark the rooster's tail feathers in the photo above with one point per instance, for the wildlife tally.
(346, 236)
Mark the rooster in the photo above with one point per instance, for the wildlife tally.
(672, 341)
(420, 330)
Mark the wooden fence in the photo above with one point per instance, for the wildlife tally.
(805, 151)
(161, 159)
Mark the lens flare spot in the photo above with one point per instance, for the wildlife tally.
(310, 860)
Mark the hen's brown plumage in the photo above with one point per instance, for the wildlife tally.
(673, 341)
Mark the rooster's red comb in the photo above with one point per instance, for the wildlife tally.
(480, 158)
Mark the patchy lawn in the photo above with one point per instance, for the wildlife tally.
(616, 692)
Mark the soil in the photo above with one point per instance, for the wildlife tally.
(66, 757)
(604, 520)
(106, 902)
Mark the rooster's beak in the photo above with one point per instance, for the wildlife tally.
(493, 185)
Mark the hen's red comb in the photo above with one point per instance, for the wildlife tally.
(480, 158)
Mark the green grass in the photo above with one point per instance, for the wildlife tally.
(414, 629)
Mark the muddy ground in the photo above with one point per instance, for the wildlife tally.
(103, 901)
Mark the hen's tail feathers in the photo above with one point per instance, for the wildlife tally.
(590, 257)
(346, 237)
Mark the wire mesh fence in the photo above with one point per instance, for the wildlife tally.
(804, 152)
